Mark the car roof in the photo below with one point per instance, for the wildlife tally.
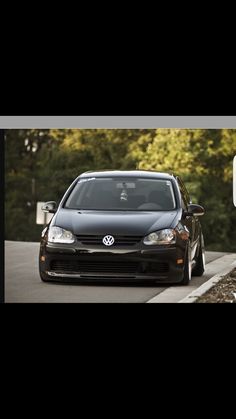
(127, 173)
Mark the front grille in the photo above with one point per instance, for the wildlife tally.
(98, 266)
(122, 267)
(119, 240)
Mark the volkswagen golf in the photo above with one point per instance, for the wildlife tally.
(123, 226)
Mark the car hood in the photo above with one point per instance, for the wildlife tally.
(113, 222)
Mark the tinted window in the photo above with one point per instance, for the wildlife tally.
(122, 194)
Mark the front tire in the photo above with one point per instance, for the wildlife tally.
(199, 268)
(187, 268)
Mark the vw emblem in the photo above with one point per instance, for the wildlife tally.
(108, 240)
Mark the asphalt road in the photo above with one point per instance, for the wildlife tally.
(23, 284)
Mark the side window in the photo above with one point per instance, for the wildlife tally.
(184, 195)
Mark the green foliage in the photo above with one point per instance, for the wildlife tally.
(41, 164)
(203, 158)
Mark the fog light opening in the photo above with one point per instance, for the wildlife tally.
(179, 261)
(43, 258)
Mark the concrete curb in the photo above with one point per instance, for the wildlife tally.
(176, 294)
(194, 295)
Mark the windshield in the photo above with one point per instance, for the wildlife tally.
(130, 194)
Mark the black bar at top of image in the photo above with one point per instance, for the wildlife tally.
(144, 85)
(117, 111)
(133, 99)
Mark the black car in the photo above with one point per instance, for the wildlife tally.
(123, 226)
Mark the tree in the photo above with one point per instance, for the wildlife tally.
(41, 164)
(203, 158)
(21, 151)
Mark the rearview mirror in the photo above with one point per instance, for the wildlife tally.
(194, 209)
(49, 206)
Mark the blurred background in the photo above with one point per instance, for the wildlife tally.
(41, 164)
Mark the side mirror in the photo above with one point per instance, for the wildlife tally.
(49, 206)
(195, 210)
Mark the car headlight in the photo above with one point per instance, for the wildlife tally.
(166, 236)
(59, 235)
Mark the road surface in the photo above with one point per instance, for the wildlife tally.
(23, 284)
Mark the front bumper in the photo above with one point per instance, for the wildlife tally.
(76, 263)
